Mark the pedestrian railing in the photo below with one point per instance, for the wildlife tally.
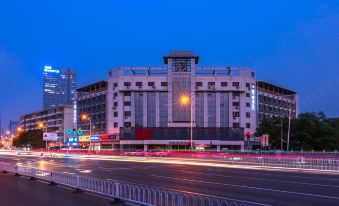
(124, 191)
(323, 164)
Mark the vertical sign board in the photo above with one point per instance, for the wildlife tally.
(264, 140)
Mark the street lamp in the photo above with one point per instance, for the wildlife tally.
(41, 126)
(19, 129)
(185, 100)
(85, 117)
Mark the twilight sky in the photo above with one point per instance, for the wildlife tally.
(291, 43)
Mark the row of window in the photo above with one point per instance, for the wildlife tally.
(140, 84)
(273, 109)
(95, 99)
(95, 108)
(237, 114)
(265, 99)
(165, 84)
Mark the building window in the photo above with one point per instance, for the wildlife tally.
(236, 114)
(248, 85)
(127, 113)
(252, 74)
(151, 84)
(248, 104)
(115, 94)
(115, 114)
(236, 94)
(115, 85)
(115, 124)
(127, 124)
(223, 84)
(236, 104)
(248, 114)
(248, 95)
(211, 84)
(198, 84)
(127, 103)
(164, 84)
(127, 84)
(236, 125)
(115, 104)
(138, 84)
(248, 125)
(235, 84)
(127, 94)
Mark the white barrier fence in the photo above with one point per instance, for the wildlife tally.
(286, 163)
(133, 193)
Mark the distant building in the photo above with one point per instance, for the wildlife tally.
(57, 120)
(276, 102)
(13, 126)
(154, 107)
(59, 87)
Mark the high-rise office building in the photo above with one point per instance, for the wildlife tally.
(59, 87)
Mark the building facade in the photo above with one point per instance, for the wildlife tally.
(13, 127)
(165, 107)
(57, 120)
(59, 87)
(91, 101)
(276, 102)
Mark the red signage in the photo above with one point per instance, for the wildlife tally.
(143, 134)
(248, 134)
(105, 137)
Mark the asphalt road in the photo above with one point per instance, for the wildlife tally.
(19, 191)
(257, 186)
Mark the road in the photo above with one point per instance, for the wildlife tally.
(267, 187)
(19, 191)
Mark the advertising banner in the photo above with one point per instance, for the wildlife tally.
(50, 137)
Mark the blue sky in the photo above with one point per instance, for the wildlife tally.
(294, 44)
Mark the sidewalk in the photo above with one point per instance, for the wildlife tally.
(20, 191)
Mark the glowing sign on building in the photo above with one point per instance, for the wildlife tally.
(49, 69)
(253, 106)
(84, 138)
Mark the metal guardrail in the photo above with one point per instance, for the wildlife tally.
(133, 193)
(324, 164)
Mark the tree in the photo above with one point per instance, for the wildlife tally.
(310, 131)
(31, 138)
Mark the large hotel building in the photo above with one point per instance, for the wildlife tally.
(176, 106)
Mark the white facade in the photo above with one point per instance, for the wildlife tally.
(147, 99)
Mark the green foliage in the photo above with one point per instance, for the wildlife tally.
(310, 131)
(31, 138)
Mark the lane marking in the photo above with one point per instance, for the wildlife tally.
(249, 187)
(263, 179)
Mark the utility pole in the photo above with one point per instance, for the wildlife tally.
(289, 129)
(281, 135)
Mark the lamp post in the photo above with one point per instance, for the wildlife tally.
(41, 126)
(19, 129)
(85, 117)
(184, 100)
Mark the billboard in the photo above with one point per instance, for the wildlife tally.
(50, 136)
